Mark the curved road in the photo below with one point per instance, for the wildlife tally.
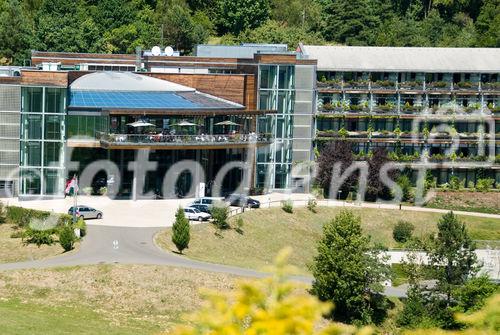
(122, 245)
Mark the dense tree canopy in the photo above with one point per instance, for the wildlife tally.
(117, 26)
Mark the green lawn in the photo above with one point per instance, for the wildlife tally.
(101, 299)
(266, 231)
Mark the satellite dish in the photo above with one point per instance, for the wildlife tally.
(156, 51)
(169, 51)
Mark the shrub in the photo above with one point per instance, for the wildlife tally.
(80, 224)
(103, 191)
(312, 204)
(181, 230)
(220, 214)
(67, 238)
(287, 206)
(23, 216)
(3, 218)
(484, 184)
(38, 237)
(405, 184)
(456, 184)
(239, 225)
(402, 231)
(87, 190)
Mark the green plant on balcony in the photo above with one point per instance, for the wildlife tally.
(384, 83)
(357, 83)
(386, 107)
(411, 84)
(438, 84)
(464, 84)
(426, 132)
(323, 79)
(328, 106)
(343, 132)
(490, 85)
(397, 132)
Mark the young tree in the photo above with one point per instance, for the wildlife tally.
(452, 255)
(180, 230)
(15, 33)
(333, 153)
(348, 273)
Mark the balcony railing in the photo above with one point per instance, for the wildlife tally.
(408, 85)
(182, 140)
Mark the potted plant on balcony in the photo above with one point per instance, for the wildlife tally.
(438, 84)
(464, 84)
(343, 132)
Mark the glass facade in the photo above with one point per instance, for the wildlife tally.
(43, 111)
(276, 92)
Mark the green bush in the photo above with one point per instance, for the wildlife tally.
(287, 206)
(220, 214)
(485, 184)
(67, 238)
(3, 217)
(23, 216)
(239, 225)
(406, 188)
(402, 231)
(80, 224)
(38, 237)
(311, 205)
(456, 184)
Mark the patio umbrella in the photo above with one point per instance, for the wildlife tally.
(185, 124)
(140, 123)
(227, 123)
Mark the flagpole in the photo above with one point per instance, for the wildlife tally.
(75, 201)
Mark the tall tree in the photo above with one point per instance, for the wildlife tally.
(351, 21)
(452, 255)
(488, 24)
(348, 273)
(375, 188)
(235, 16)
(15, 33)
(337, 152)
(181, 230)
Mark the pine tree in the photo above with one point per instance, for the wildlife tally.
(180, 230)
(348, 273)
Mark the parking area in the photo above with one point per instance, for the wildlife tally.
(125, 213)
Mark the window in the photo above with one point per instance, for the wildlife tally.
(55, 99)
(32, 100)
(267, 76)
(53, 124)
(31, 127)
(52, 154)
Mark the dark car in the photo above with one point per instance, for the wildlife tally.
(240, 200)
(201, 208)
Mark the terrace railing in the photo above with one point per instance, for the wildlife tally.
(181, 140)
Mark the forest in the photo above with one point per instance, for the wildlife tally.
(119, 26)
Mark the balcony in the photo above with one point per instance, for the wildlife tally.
(490, 87)
(383, 85)
(326, 85)
(182, 142)
(466, 86)
(385, 109)
(438, 86)
(355, 85)
(411, 86)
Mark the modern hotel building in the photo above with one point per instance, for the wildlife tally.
(259, 104)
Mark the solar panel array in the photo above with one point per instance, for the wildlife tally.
(132, 100)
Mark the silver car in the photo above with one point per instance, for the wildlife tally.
(86, 212)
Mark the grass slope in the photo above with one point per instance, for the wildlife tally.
(101, 299)
(266, 231)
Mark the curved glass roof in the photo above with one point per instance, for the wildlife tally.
(112, 90)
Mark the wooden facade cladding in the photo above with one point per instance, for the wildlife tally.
(237, 88)
(44, 78)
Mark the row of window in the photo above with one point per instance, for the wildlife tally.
(406, 76)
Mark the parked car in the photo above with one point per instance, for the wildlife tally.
(241, 200)
(201, 208)
(194, 214)
(209, 201)
(86, 212)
